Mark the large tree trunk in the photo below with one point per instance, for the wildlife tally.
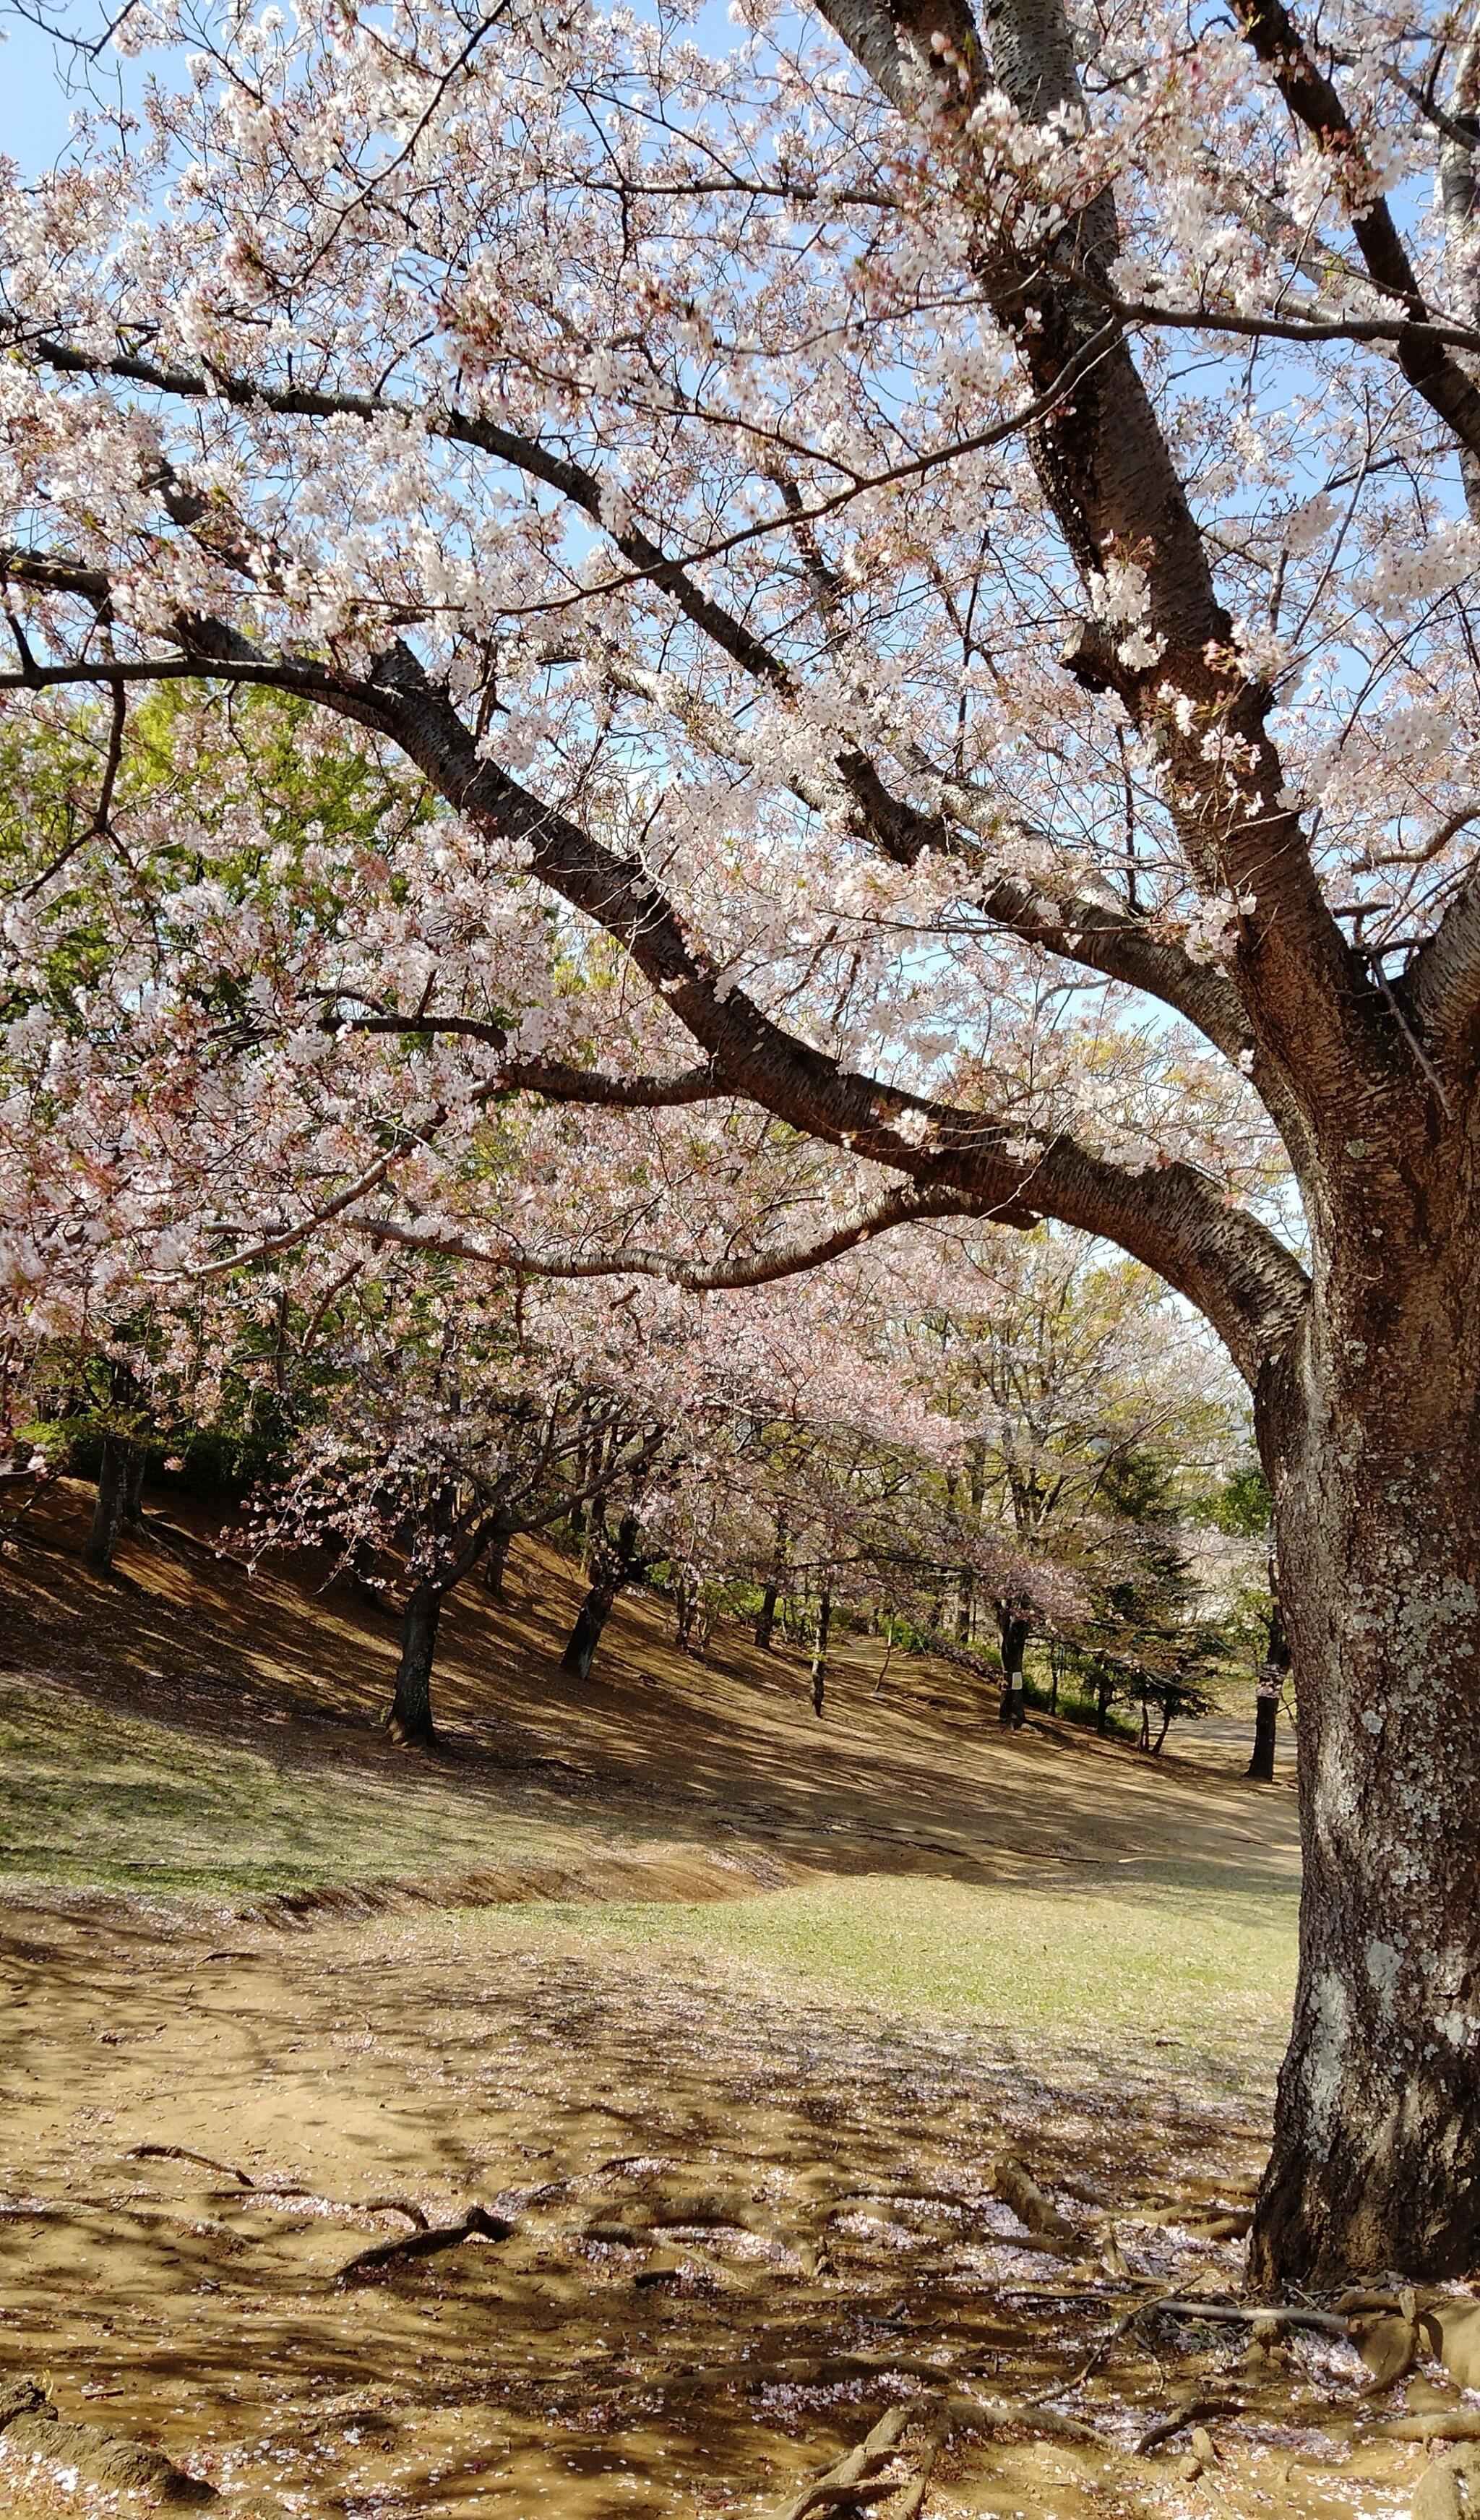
(410, 1716)
(107, 1512)
(1371, 1437)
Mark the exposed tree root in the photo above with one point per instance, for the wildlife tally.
(1179, 2419)
(1252, 2314)
(182, 2152)
(1016, 2186)
(1457, 2423)
(858, 2467)
(87, 2455)
(478, 2224)
(856, 2477)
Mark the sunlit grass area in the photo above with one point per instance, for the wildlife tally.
(1161, 1956)
(88, 1796)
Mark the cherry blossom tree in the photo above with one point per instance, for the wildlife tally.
(929, 561)
(427, 1432)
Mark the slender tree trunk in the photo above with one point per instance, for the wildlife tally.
(765, 1623)
(596, 1609)
(1370, 1438)
(131, 1511)
(107, 1512)
(1272, 1680)
(495, 1563)
(820, 1652)
(586, 1635)
(1261, 1767)
(410, 1716)
(964, 1609)
(1012, 1633)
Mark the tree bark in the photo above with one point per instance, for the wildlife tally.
(820, 1652)
(618, 1564)
(765, 1623)
(586, 1635)
(1276, 1664)
(1013, 1631)
(1261, 1767)
(107, 1512)
(495, 1563)
(1370, 1436)
(410, 1716)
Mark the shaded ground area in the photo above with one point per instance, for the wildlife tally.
(718, 2020)
(746, 2220)
(251, 1703)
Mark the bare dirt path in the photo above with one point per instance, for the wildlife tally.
(821, 2174)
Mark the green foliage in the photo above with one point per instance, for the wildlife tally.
(1245, 1507)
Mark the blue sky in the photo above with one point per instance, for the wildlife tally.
(37, 77)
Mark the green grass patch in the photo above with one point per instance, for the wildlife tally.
(1154, 1958)
(89, 1796)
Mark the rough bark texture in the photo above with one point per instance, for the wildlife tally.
(410, 1717)
(1261, 1767)
(1367, 1382)
(495, 1563)
(1371, 1440)
(1013, 1631)
(586, 1635)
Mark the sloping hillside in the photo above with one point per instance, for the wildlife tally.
(187, 1725)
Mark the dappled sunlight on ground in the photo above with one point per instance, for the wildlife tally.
(718, 2020)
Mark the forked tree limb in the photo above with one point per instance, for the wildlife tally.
(1314, 102)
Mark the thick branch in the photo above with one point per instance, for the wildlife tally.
(1441, 989)
(557, 1080)
(1177, 1221)
(1250, 1288)
(695, 1276)
(1093, 931)
(1109, 478)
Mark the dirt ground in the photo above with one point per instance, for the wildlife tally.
(727, 2221)
(741, 2229)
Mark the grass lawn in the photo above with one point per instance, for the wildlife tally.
(89, 1796)
(1159, 1958)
